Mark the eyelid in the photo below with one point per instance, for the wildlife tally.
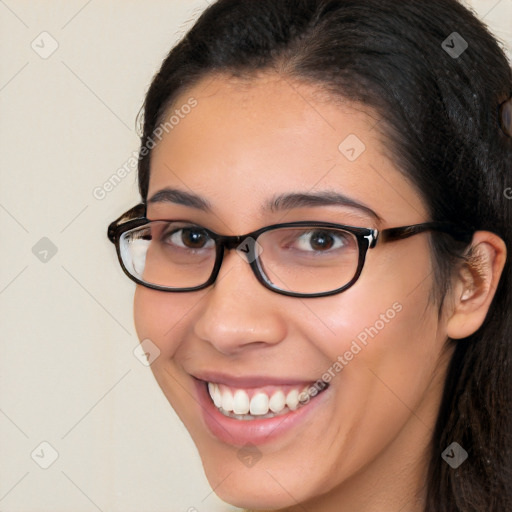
(179, 221)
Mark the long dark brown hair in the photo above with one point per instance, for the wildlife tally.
(440, 115)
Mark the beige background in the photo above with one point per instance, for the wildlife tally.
(68, 375)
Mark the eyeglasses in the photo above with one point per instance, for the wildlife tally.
(298, 259)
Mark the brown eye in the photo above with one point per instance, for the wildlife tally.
(190, 238)
(193, 239)
(321, 240)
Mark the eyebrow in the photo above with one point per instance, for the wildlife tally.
(172, 195)
(279, 203)
(325, 198)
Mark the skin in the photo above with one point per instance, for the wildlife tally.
(366, 447)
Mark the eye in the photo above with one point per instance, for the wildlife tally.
(322, 240)
(192, 237)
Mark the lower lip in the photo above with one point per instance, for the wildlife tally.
(256, 432)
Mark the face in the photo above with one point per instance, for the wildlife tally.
(379, 345)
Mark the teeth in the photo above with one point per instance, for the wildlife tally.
(215, 394)
(241, 402)
(227, 400)
(277, 402)
(259, 404)
(237, 404)
(292, 399)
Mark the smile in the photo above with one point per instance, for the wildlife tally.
(260, 403)
(240, 411)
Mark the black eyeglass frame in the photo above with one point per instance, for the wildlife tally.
(367, 238)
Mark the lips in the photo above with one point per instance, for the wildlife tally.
(254, 410)
(248, 381)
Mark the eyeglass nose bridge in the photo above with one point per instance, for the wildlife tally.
(246, 246)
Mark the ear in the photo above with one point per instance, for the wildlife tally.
(475, 285)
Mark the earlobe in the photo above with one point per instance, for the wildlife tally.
(476, 284)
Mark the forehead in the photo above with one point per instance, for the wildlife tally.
(244, 141)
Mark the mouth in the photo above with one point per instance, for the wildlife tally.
(239, 414)
(260, 403)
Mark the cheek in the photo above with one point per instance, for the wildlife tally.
(161, 317)
(373, 321)
(390, 305)
(383, 349)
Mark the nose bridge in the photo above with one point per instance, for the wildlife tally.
(238, 310)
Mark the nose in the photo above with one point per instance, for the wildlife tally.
(238, 312)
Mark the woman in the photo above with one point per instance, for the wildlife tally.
(321, 253)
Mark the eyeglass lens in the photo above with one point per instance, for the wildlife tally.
(306, 259)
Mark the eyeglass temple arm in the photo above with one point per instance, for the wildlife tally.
(461, 234)
(136, 213)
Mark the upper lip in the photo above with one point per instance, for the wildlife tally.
(248, 381)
